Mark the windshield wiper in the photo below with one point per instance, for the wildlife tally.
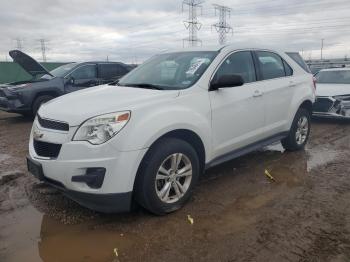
(145, 85)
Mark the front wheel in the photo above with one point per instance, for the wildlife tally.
(167, 176)
(299, 132)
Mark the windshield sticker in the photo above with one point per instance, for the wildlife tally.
(194, 66)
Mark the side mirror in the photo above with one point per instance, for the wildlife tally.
(226, 81)
(71, 80)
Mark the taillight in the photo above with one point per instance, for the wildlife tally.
(314, 81)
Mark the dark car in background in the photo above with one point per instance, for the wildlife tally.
(25, 97)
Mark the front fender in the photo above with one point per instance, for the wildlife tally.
(146, 126)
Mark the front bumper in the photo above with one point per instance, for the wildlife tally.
(10, 103)
(331, 107)
(106, 203)
(76, 158)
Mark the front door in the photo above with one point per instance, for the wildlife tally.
(238, 113)
(81, 77)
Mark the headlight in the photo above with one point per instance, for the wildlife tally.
(99, 129)
(18, 87)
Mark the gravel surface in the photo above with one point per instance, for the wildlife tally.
(238, 213)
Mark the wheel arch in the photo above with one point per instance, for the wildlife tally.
(184, 134)
(306, 104)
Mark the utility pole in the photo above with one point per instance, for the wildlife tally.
(43, 48)
(322, 48)
(192, 24)
(222, 27)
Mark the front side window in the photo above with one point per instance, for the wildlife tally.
(171, 71)
(271, 65)
(84, 72)
(333, 77)
(288, 70)
(240, 63)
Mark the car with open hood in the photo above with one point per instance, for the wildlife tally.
(148, 137)
(25, 97)
(333, 93)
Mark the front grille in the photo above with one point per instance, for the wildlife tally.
(45, 149)
(323, 104)
(51, 124)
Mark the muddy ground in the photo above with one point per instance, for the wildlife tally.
(239, 214)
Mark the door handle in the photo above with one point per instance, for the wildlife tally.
(257, 93)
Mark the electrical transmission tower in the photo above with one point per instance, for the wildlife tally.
(222, 27)
(19, 45)
(43, 48)
(192, 24)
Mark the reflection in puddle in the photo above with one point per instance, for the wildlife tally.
(319, 156)
(19, 234)
(79, 242)
(4, 157)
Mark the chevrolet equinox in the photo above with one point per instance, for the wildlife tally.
(148, 137)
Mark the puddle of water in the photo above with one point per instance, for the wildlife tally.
(19, 234)
(27, 235)
(4, 157)
(320, 156)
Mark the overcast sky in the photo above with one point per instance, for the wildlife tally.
(132, 30)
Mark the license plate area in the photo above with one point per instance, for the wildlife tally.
(35, 168)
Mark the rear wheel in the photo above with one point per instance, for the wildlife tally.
(167, 176)
(299, 132)
(39, 101)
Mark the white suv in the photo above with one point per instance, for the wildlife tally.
(148, 137)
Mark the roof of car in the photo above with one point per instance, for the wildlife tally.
(229, 46)
(99, 62)
(336, 69)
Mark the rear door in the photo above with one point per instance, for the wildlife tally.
(277, 85)
(81, 77)
(238, 112)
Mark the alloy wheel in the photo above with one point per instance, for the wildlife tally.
(173, 178)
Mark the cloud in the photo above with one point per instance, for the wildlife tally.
(132, 30)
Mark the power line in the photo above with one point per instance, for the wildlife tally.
(192, 24)
(222, 27)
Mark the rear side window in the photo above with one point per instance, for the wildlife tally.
(270, 64)
(110, 71)
(299, 60)
(240, 63)
(84, 72)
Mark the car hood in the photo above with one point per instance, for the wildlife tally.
(28, 63)
(332, 89)
(76, 107)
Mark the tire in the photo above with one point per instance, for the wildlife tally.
(39, 101)
(149, 189)
(299, 132)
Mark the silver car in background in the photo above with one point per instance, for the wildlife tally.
(333, 93)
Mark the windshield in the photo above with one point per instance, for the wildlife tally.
(170, 71)
(334, 77)
(60, 71)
